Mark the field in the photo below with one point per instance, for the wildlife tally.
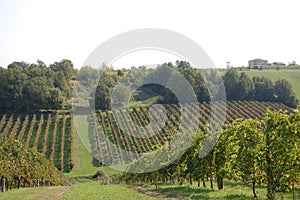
(292, 76)
(83, 161)
(95, 190)
(90, 190)
(232, 190)
(49, 133)
(33, 193)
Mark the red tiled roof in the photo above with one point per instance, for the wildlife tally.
(258, 59)
(278, 63)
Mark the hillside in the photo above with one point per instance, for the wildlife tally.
(108, 131)
(292, 76)
(49, 133)
(21, 167)
(103, 132)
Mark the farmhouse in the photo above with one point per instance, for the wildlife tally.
(257, 63)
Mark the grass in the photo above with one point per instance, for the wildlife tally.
(292, 76)
(81, 190)
(32, 193)
(95, 190)
(232, 190)
(86, 167)
(145, 97)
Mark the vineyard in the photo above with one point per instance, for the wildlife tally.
(113, 145)
(24, 167)
(49, 133)
(115, 139)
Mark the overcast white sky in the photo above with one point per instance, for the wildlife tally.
(234, 31)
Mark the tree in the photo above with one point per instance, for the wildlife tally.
(88, 76)
(244, 87)
(263, 89)
(31, 86)
(182, 64)
(120, 95)
(62, 84)
(231, 80)
(281, 150)
(103, 97)
(221, 158)
(55, 99)
(284, 93)
(246, 155)
(195, 79)
(65, 66)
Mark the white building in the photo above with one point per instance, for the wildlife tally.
(257, 63)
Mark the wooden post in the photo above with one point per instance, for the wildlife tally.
(106, 179)
(3, 184)
(19, 182)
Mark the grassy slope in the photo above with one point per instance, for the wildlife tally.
(147, 97)
(84, 190)
(33, 193)
(80, 190)
(94, 190)
(86, 167)
(231, 190)
(292, 76)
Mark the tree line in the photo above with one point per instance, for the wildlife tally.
(237, 86)
(241, 87)
(36, 86)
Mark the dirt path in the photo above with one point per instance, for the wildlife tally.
(54, 195)
(152, 193)
(59, 193)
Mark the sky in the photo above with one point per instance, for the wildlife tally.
(234, 31)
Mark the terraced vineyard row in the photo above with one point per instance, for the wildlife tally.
(114, 135)
(115, 140)
(47, 132)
